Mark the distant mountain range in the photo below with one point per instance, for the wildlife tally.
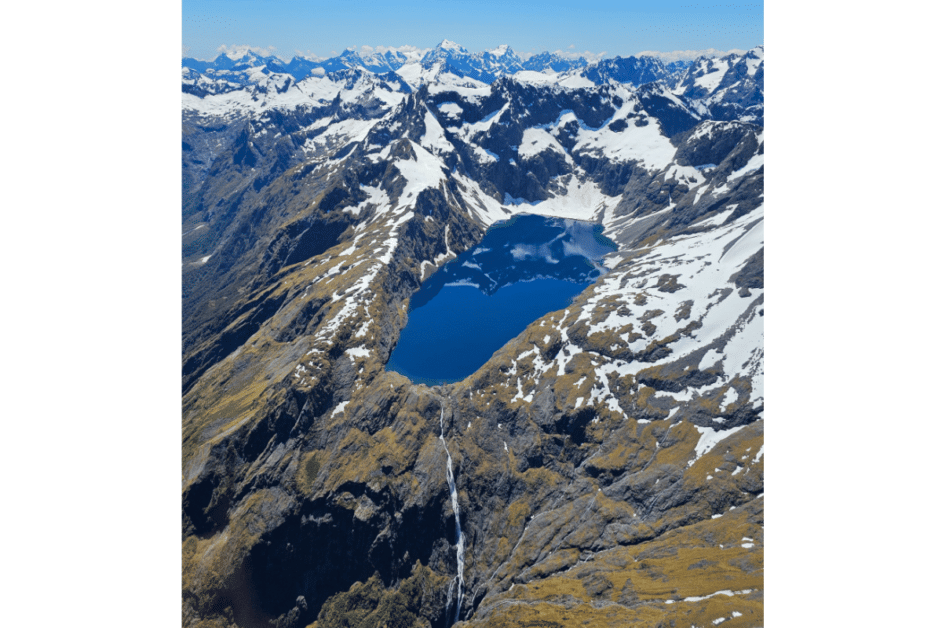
(724, 88)
(484, 66)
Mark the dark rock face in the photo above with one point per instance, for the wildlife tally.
(632, 70)
(552, 61)
(608, 461)
(673, 113)
(711, 142)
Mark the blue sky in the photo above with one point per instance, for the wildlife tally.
(326, 28)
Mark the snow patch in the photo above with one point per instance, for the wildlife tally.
(709, 438)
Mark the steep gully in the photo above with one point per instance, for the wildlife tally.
(458, 536)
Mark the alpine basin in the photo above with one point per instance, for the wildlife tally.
(524, 268)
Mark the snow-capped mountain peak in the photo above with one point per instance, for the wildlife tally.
(450, 45)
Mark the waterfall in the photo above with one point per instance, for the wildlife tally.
(454, 506)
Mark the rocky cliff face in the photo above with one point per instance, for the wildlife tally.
(607, 462)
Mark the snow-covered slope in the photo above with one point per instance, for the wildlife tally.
(483, 66)
(732, 87)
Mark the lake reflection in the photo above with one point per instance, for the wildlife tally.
(523, 268)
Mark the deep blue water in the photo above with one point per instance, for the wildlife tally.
(523, 268)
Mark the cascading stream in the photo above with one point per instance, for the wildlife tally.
(454, 506)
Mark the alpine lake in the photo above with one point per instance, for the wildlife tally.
(524, 267)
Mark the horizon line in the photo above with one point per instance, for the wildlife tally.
(590, 57)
